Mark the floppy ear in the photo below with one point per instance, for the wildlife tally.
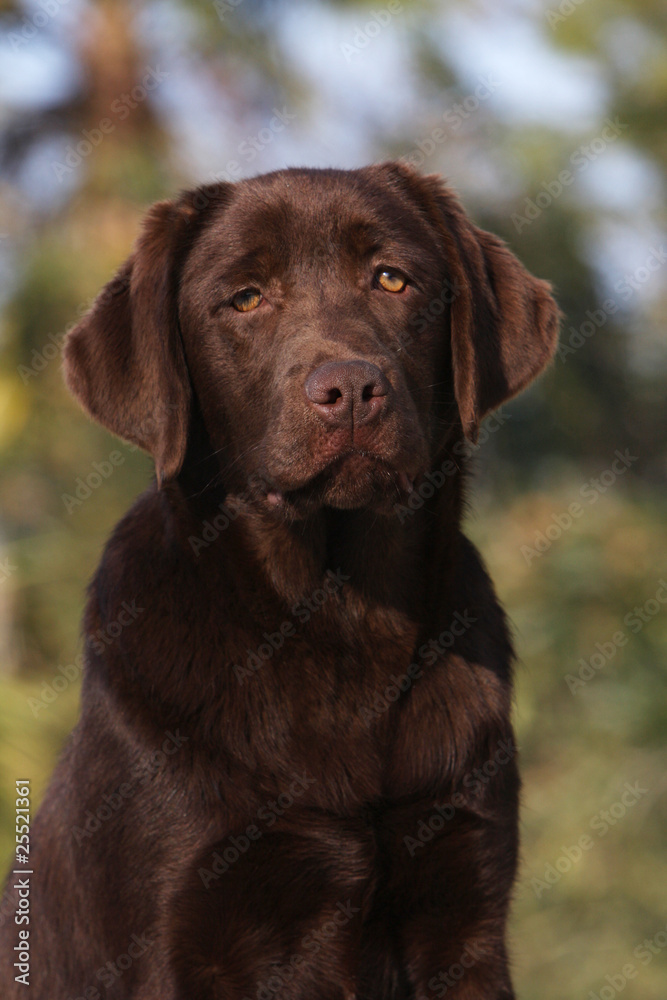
(504, 322)
(124, 360)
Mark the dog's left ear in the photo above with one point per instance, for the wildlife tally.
(504, 322)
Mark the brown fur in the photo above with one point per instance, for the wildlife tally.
(327, 762)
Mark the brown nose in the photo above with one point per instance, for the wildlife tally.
(345, 393)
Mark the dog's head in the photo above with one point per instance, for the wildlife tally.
(336, 328)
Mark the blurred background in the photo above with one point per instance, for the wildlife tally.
(549, 118)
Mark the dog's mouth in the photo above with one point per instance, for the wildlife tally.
(351, 481)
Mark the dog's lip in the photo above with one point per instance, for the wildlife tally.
(277, 494)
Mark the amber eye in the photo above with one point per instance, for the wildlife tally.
(391, 281)
(246, 300)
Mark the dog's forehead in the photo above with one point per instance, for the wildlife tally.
(338, 208)
(292, 216)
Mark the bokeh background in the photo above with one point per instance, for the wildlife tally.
(549, 118)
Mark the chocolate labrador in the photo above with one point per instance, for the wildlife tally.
(294, 774)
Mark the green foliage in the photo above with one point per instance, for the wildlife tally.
(574, 608)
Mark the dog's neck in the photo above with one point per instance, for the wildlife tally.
(398, 559)
(378, 557)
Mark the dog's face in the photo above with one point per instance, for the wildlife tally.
(296, 305)
(335, 326)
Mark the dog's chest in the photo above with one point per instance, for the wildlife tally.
(322, 701)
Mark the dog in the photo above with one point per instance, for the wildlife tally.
(294, 774)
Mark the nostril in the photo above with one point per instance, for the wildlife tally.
(372, 389)
(321, 392)
(328, 385)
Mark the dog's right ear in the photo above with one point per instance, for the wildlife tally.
(124, 360)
